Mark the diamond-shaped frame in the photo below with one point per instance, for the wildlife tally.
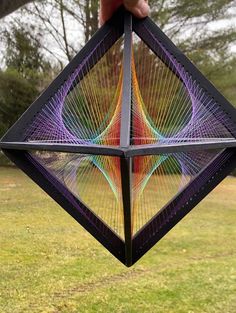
(133, 247)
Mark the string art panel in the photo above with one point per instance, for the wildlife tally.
(128, 139)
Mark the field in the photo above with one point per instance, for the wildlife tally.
(49, 264)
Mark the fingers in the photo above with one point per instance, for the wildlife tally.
(107, 8)
(139, 8)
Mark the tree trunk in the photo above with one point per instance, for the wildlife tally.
(91, 16)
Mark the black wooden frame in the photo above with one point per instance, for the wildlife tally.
(132, 248)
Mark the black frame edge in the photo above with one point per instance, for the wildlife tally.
(127, 81)
(143, 150)
(68, 148)
(126, 185)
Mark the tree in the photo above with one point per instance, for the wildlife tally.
(23, 53)
(24, 76)
(16, 94)
(55, 18)
(91, 18)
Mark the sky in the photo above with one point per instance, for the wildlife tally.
(75, 32)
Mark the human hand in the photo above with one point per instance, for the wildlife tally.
(139, 8)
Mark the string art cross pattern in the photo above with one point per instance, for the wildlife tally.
(128, 139)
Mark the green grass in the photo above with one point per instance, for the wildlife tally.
(49, 264)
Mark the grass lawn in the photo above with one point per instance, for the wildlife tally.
(49, 264)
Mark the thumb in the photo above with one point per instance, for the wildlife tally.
(139, 8)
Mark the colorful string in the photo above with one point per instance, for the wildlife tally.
(168, 106)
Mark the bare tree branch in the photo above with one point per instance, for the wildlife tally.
(64, 31)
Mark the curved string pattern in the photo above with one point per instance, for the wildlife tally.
(168, 106)
(88, 111)
(157, 180)
(94, 180)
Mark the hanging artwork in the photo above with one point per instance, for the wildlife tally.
(128, 139)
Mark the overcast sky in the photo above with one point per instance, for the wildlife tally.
(75, 33)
